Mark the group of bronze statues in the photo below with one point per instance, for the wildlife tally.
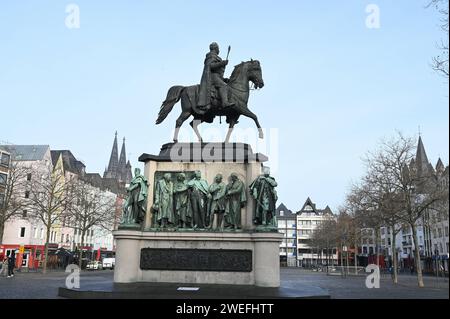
(193, 204)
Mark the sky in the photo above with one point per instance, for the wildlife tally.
(334, 87)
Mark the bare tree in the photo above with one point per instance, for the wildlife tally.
(90, 207)
(49, 199)
(405, 189)
(375, 205)
(325, 237)
(14, 202)
(440, 62)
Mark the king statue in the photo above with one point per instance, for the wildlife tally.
(212, 78)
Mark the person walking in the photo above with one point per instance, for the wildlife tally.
(4, 269)
(11, 264)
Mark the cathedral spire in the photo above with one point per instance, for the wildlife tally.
(421, 158)
(113, 161)
(122, 162)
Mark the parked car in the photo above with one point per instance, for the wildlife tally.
(109, 263)
(94, 265)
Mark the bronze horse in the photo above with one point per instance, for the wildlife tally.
(239, 89)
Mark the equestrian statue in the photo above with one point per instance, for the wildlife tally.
(215, 95)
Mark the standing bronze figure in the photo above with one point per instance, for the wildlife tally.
(217, 202)
(199, 195)
(183, 212)
(136, 203)
(235, 200)
(163, 203)
(204, 102)
(263, 191)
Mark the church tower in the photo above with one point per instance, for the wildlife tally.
(119, 168)
(111, 171)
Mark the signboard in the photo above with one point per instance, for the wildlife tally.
(21, 249)
(236, 260)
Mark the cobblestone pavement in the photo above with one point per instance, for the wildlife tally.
(38, 285)
(354, 287)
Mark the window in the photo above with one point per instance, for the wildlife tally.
(62, 238)
(3, 179)
(2, 199)
(24, 213)
(29, 177)
(27, 194)
(446, 228)
(440, 232)
(35, 232)
(42, 233)
(22, 232)
(5, 159)
(282, 213)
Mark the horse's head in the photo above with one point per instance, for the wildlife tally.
(254, 73)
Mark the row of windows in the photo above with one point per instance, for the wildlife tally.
(438, 232)
(309, 222)
(40, 233)
(305, 232)
(5, 159)
(3, 179)
(2, 199)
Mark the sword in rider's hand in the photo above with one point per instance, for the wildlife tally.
(229, 49)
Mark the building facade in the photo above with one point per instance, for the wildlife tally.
(297, 248)
(5, 160)
(287, 224)
(25, 234)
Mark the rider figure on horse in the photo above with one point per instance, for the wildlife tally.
(213, 72)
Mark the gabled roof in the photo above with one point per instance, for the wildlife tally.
(308, 203)
(26, 152)
(286, 211)
(440, 166)
(327, 211)
(70, 163)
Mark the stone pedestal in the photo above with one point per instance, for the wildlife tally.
(244, 257)
(236, 258)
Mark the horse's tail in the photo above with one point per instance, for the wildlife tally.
(173, 96)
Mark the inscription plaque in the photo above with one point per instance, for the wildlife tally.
(234, 260)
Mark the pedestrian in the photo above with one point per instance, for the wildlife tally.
(412, 269)
(4, 264)
(11, 264)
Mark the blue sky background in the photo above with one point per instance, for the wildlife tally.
(344, 86)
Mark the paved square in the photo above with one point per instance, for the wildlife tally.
(37, 285)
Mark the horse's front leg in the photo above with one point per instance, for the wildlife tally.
(194, 124)
(250, 114)
(183, 117)
(230, 130)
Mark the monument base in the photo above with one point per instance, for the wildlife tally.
(231, 258)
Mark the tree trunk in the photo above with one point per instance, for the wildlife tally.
(394, 256)
(377, 248)
(47, 240)
(417, 257)
(2, 230)
(356, 258)
(80, 260)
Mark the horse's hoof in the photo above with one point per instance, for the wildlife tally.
(261, 134)
(175, 141)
